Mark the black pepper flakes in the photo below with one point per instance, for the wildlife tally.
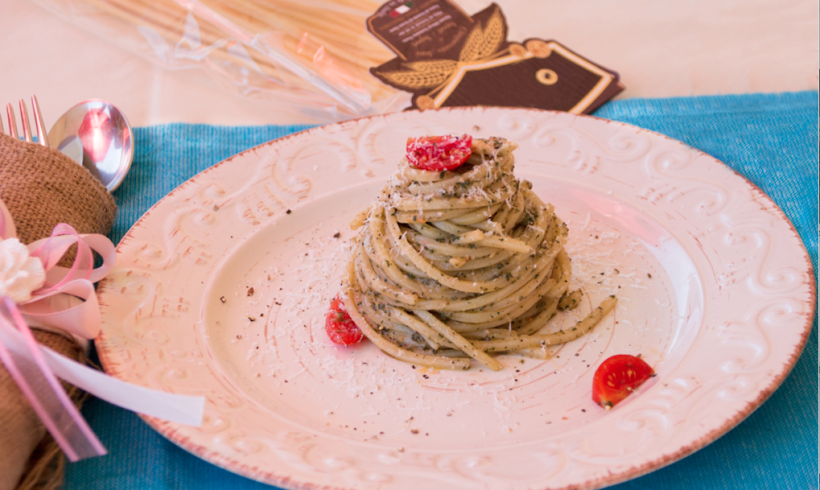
(222, 299)
(288, 211)
(250, 292)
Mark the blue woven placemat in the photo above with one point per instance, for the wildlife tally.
(772, 139)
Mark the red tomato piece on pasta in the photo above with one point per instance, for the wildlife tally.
(617, 377)
(339, 326)
(439, 153)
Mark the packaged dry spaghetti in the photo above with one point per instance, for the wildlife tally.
(312, 55)
(337, 59)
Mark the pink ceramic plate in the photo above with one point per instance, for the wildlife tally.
(221, 290)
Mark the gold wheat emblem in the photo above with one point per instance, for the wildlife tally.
(481, 44)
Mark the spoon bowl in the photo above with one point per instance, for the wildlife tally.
(104, 135)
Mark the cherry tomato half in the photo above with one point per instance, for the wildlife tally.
(439, 152)
(339, 326)
(617, 377)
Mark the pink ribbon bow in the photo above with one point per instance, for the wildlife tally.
(67, 303)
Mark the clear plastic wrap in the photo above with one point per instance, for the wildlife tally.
(310, 55)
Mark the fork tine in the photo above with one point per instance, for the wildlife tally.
(12, 123)
(24, 121)
(42, 136)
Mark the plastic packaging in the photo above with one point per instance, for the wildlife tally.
(310, 55)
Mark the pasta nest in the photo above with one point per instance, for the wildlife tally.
(462, 264)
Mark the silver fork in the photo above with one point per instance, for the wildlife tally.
(42, 136)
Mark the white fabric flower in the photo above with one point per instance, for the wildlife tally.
(19, 273)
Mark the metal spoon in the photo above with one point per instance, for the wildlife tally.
(103, 134)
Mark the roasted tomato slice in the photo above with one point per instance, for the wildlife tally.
(339, 326)
(617, 377)
(439, 152)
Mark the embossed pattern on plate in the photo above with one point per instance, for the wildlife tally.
(220, 290)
